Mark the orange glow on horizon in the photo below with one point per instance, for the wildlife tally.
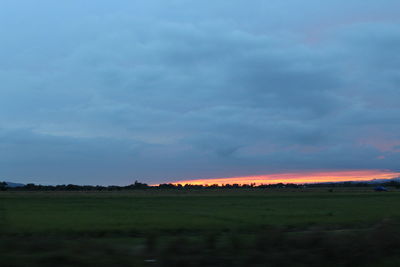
(298, 177)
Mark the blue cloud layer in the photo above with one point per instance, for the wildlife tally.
(108, 93)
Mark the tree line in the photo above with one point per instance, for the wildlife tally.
(143, 186)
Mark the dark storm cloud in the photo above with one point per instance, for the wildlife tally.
(107, 93)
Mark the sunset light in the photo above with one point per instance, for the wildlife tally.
(299, 177)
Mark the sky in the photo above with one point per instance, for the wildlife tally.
(109, 92)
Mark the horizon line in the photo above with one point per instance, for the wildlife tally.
(299, 177)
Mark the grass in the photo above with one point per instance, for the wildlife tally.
(299, 227)
(141, 212)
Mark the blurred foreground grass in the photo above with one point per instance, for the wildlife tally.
(200, 228)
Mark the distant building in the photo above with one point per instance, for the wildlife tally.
(380, 189)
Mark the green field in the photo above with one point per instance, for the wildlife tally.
(138, 212)
(150, 221)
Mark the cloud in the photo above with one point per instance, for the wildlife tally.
(161, 95)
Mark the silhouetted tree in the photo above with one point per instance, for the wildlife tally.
(3, 186)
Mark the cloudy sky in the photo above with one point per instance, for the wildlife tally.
(107, 92)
